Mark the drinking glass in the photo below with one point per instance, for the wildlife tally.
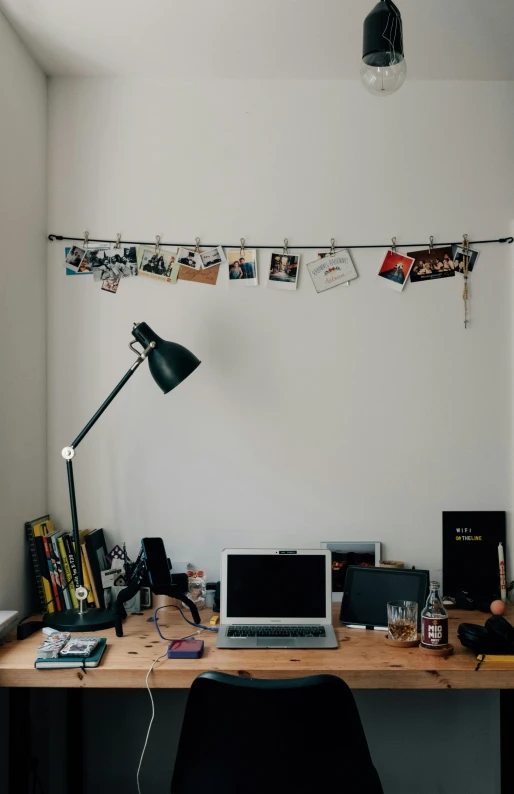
(402, 621)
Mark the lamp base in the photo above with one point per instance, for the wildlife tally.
(73, 620)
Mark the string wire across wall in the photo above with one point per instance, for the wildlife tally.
(110, 261)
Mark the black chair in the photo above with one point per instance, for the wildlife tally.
(290, 736)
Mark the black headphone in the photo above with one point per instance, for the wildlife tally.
(496, 637)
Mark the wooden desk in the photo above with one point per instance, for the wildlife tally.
(363, 660)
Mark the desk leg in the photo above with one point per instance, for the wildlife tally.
(507, 740)
(75, 741)
(19, 740)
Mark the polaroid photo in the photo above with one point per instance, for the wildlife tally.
(74, 258)
(111, 285)
(283, 271)
(242, 267)
(332, 270)
(344, 553)
(395, 270)
(432, 264)
(161, 265)
(189, 258)
(458, 258)
(88, 262)
(214, 256)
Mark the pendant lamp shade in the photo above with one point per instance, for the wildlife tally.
(383, 68)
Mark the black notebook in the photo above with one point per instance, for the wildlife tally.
(470, 552)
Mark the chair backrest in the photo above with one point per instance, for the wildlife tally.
(254, 736)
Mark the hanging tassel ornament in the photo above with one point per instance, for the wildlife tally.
(465, 245)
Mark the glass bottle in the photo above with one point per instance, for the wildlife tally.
(434, 620)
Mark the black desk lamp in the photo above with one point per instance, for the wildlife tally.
(169, 364)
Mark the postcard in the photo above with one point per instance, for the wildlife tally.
(331, 270)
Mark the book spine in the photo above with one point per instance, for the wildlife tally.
(52, 573)
(85, 575)
(35, 562)
(61, 584)
(67, 572)
(87, 567)
(43, 567)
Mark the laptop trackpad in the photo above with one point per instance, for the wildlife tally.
(275, 642)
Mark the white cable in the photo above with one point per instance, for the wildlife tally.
(151, 719)
(153, 707)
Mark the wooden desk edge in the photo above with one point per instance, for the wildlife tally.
(363, 660)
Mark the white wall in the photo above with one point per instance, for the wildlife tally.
(23, 154)
(358, 413)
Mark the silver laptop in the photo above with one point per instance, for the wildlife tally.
(276, 598)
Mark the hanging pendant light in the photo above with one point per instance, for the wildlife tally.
(383, 67)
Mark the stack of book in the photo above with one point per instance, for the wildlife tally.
(61, 651)
(54, 559)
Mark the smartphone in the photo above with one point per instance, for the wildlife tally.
(185, 649)
(156, 562)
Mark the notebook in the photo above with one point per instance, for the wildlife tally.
(64, 662)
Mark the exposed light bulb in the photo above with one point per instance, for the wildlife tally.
(383, 66)
(383, 80)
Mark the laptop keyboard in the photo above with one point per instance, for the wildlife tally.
(275, 631)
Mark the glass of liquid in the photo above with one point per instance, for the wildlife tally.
(402, 621)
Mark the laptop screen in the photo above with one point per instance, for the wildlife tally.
(276, 586)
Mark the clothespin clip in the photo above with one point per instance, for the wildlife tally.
(197, 249)
(285, 247)
(393, 245)
(431, 245)
(332, 246)
(118, 239)
(86, 240)
(157, 244)
(242, 247)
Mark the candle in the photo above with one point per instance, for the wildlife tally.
(503, 583)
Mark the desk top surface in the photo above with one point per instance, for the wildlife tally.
(363, 660)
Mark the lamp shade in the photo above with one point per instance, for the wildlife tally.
(383, 35)
(169, 362)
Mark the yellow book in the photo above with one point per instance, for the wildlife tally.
(497, 658)
(40, 530)
(67, 571)
(85, 569)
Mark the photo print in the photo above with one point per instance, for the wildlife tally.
(395, 269)
(111, 285)
(458, 258)
(161, 265)
(214, 256)
(86, 266)
(330, 270)
(242, 267)
(189, 258)
(74, 257)
(114, 263)
(283, 271)
(431, 264)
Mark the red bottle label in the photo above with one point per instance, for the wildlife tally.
(434, 632)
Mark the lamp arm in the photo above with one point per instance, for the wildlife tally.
(68, 454)
(141, 357)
